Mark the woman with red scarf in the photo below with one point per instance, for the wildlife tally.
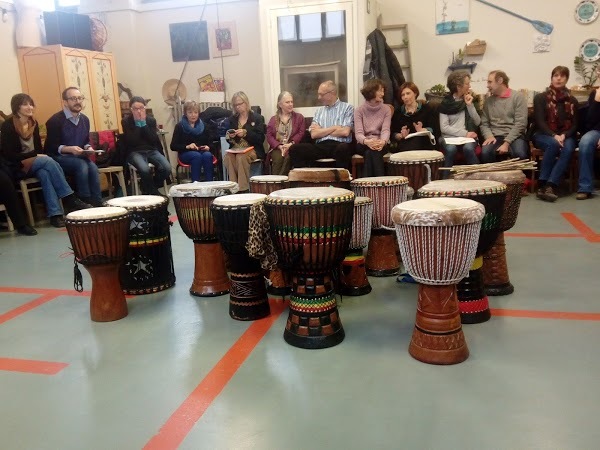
(555, 112)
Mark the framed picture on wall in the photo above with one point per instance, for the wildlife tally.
(223, 39)
(189, 41)
(451, 16)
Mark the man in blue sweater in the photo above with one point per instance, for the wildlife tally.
(68, 142)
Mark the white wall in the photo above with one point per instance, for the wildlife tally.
(9, 73)
(509, 40)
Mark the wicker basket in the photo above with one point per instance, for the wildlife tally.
(475, 48)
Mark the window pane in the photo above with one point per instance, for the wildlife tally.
(286, 28)
(334, 24)
(310, 27)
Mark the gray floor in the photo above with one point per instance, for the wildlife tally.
(529, 383)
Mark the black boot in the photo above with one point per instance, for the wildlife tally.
(74, 203)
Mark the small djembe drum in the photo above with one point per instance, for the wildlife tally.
(311, 229)
(438, 240)
(99, 241)
(149, 265)
(386, 192)
(192, 202)
(319, 177)
(279, 283)
(419, 166)
(353, 274)
(495, 267)
(473, 302)
(248, 294)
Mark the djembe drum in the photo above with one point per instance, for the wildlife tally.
(248, 293)
(419, 166)
(472, 300)
(495, 267)
(353, 275)
(438, 240)
(319, 177)
(149, 265)
(279, 283)
(386, 192)
(192, 202)
(99, 241)
(311, 230)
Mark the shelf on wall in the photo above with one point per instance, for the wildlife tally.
(469, 66)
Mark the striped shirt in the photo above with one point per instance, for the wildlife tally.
(340, 113)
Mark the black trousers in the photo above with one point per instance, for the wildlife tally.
(374, 165)
(10, 199)
(304, 155)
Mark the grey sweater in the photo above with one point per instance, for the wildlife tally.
(504, 117)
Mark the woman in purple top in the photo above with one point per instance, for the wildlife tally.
(285, 128)
(372, 127)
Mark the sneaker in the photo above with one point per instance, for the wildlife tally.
(549, 195)
(27, 230)
(73, 203)
(57, 221)
(540, 193)
(583, 195)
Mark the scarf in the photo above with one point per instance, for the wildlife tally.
(20, 128)
(554, 120)
(196, 130)
(451, 106)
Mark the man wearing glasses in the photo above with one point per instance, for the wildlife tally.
(331, 130)
(68, 142)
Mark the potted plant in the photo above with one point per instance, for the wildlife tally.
(460, 56)
(436, 93)
(587, 71)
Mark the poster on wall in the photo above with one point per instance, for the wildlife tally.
(451, 16)
(189, 41)
(223, 39)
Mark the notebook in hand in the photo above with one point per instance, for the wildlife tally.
(240, 150)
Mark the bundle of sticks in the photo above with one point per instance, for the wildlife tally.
(509, 164)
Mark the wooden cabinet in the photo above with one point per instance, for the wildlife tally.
(46, 71)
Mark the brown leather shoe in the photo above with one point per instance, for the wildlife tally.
(583, 195)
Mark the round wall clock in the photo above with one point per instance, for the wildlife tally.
(590, 50)
(586, 11)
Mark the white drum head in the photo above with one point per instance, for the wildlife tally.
(204, 189)
(136, 201)
(309, 193)
(417, 156)
(269, 178)
(463, 187)
(438, 211)
(239, 199)
(380, 181)
(104, 212)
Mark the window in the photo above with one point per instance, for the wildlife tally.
(313, 27)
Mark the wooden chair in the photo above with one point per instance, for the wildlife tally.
(9, 223)
(537, 155)
(135, 185)
(118, 172)
(26, 187)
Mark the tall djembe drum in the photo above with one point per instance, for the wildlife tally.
(386, 192)
(319, 177)
(192, 202)
(473, 302)
(495, 268)
(248, 293)
(438, 240)
(279, 283)
(353, 274)
(99, 240)
(311, 230)
(149, 265)
(419, 166)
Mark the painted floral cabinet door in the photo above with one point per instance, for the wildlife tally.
(77, 73)
(105, 93)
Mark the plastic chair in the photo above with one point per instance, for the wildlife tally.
(183, 168)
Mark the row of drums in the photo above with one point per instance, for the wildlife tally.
(303, 234)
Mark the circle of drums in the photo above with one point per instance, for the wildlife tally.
(304, 236)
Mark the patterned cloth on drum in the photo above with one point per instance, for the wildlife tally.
(192, 202)
(474, 304)
(248, 293)
(149, 265)
(279, 282)
(495, 267)
(311, 230)
(353, 275)
(419, 166)
(319, 177)
(99, 241)
(386, 192)
(438, 240)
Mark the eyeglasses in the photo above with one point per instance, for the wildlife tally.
(138, 108)
(76, 99)
(235, 105)
(323, 94)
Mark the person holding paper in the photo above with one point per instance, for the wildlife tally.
(372, 127)
(246, 130)
(459, 119)
(412, 117)
(68, 143)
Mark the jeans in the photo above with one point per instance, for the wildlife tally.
(54, 185)
(162, 169)
(517, 149)
(467, 149)
(198, 161)
(85, 173)
(587, 149)
(552, 170)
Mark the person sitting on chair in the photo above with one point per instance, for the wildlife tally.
(412, 117)
(142, 147)
(588, 145)
(285, 129)
(68, 143)
(10, 200)
(22, 148)
(331, 130)
(246, 129)
(191, 141)
(504, 120)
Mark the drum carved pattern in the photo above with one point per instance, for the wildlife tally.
(438, 342)
(495, 269)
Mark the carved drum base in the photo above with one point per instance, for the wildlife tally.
(495, 269)
(353, 275)
(107, 301)
(210, 276)
(383, 254)
(248, 296)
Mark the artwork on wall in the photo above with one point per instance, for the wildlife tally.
(541, 43)
(189, 41)
(223, 39)
(451, 16)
